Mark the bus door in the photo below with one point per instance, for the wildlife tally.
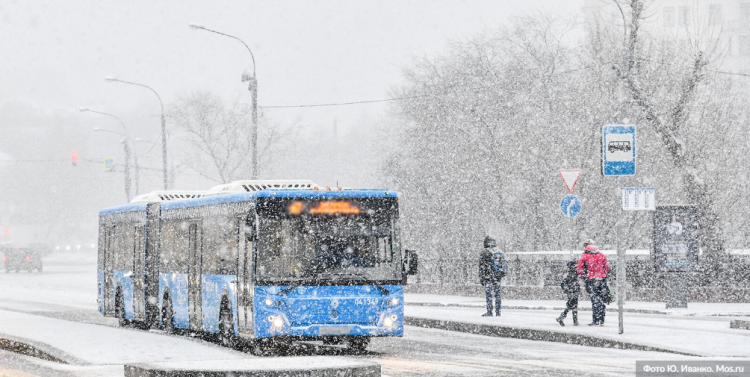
(138, 256)
(194, 278)
(109, 270)
(244, 276)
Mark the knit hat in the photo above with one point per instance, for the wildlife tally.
(489, 242)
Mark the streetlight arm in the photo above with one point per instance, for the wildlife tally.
(230, 36)
(145, 86)
(124, 129)
(163, 126)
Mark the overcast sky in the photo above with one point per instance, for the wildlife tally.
(55, 54)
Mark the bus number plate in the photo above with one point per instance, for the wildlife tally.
(366, 301)
(338, 330)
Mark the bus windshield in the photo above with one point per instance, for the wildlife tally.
(338, 244)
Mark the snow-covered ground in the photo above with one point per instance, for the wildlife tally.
(69, 280)
(706, 334)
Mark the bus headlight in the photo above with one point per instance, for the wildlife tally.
(388, 321)
(269, 301)
(394, 301)
(278, 322)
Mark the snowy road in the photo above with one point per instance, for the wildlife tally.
(66, 292)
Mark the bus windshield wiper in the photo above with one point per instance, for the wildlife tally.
(298, 283)
(288, 289)
(385, 291)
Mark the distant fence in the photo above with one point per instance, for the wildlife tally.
(542, 270)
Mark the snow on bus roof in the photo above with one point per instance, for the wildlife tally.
(285, 193)
(162, 196)
(350, 193)
(259, 185)
(132, 207)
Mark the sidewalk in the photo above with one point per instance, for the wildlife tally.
(702, 329)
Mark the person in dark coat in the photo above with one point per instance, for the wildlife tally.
(572, 289)
(491, 271)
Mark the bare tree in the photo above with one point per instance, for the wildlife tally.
(219, 135)
(669, 120)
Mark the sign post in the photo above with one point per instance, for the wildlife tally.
(633, 199)
(570, 205)
(618, 159)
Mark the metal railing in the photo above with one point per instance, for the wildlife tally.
(545, 271)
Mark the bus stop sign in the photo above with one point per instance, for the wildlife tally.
(618, 150)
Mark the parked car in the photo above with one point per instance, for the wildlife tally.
(17, 259)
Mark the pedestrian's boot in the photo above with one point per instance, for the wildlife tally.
(560, 321)
(488, 314)
(575, 317)
(497, 313)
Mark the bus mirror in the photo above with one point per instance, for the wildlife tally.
(411, 262)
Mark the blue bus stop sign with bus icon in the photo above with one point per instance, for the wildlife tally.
(570, 205)
(618, 150)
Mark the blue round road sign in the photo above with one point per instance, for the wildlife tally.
(570, 205)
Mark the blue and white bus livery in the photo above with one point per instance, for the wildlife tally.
(272, 260)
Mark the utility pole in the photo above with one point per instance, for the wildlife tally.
(253, 87)
(127, 167)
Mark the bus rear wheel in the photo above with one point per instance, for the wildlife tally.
(120, 310)
(359, 344)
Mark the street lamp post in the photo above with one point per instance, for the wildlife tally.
(135, 156)
(253, 87)
(163, 126)
(125, 147)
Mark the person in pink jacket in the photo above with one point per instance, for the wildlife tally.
(593, 267)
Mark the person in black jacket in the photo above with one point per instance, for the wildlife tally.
(572, 289)
(491, 271)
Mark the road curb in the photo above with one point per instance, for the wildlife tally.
(534, 334)
(36, 349)
(175, 369)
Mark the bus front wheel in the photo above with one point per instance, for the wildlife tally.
(359, 344)
(167, 316)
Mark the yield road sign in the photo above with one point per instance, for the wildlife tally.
(570, 178)
(618, 150)
(570, 205)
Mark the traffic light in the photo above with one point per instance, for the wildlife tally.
(74, 158)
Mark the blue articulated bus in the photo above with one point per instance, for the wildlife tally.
(259, 260)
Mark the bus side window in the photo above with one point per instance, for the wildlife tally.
(174, 247)
(220, 243)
